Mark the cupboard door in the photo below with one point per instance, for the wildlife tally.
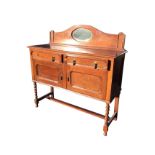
(87, 80)
(48, 72)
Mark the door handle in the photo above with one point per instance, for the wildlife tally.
(53, 59)
(74, 62)
(95, 65)
(61, 77)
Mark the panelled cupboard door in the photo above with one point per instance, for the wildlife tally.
(86, 79)
(48, 72)
(47, 67)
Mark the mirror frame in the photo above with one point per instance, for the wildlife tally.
(86, 34)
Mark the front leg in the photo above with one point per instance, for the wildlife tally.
(52, 92)
(105, 128)
(36, 95)
(116, 106)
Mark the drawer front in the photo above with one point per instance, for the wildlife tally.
(51, 57)
(85, 62)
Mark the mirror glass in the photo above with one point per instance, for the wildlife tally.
(82, 34)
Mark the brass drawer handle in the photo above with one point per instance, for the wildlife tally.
(74, 62)
(95, 65)
(53, 59)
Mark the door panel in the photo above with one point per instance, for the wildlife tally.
(48, 72)
(87, 80)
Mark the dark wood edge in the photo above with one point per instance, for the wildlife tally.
(44, 96)
(44, 46)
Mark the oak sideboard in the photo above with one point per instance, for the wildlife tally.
(81, 59)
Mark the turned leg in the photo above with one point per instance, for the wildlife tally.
(105, 128)
(116, 106)
(35, 93)
(52, 92)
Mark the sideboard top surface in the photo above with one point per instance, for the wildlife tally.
(85, 39)
(104, 52)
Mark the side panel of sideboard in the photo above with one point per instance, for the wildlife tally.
(117, 76)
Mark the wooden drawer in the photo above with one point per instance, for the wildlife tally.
(87, 62)
(51, 57)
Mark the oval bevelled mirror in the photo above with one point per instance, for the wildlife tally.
(82, 34)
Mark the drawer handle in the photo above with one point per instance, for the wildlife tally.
(95, 65)
(74, 62)
(53, 59)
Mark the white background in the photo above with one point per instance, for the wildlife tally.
(56, 129)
